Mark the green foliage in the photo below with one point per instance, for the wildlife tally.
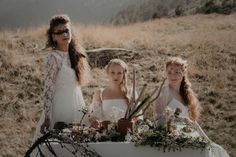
(221, 7)
(169, 137)
(159, 138)
(179, 11)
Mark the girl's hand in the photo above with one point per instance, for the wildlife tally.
(45, 126)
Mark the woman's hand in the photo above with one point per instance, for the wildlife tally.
(95, 123)
(45, 126)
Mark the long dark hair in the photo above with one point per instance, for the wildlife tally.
(189, 97)
(77, 54)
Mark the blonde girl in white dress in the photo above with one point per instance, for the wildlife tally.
(110, 103)
(65, 71)
(177, 93)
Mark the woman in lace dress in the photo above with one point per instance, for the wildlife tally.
(111, 102)
(178, 94)
(66, 70)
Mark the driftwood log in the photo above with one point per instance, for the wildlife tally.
(100, 57)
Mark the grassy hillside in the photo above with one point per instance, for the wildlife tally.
(206, 41)
(152, 9)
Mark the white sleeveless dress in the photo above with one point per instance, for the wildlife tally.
(110, 109)
(62, 94)
(113, 109)
(215, 150)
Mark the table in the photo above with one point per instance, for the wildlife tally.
(124, 149)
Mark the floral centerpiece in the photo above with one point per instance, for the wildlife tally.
(75, 135)
(178, 133)
(137, 106)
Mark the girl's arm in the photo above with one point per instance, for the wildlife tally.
(52, 68)
(96, 109)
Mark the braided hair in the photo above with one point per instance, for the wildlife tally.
(186, 92)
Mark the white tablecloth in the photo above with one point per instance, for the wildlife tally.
(125, 149)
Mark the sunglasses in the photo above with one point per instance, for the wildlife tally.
(59, 32)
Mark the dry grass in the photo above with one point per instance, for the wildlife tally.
(206, 41)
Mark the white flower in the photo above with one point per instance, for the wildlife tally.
(128, 137)
(142, 129)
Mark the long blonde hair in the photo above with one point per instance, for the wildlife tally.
(189, 97)
(77, 54)
(123, 85)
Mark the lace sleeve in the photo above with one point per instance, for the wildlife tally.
(52, 67)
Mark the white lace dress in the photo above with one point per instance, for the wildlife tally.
(214, 150)
(62, 94)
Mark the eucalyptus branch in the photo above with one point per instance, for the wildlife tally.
(154, 91)
(139, 98)
(159, 91)
(134, 84)
(84, 111)
(158, 94)
(138, 115)
(146, 101)
(132, 100)
(139, 107)
(133, 88)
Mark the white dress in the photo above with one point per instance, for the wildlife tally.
(113, 109)
(62, 94)
(110, 109)
(215, 150)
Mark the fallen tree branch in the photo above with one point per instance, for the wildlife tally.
(99, 50)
